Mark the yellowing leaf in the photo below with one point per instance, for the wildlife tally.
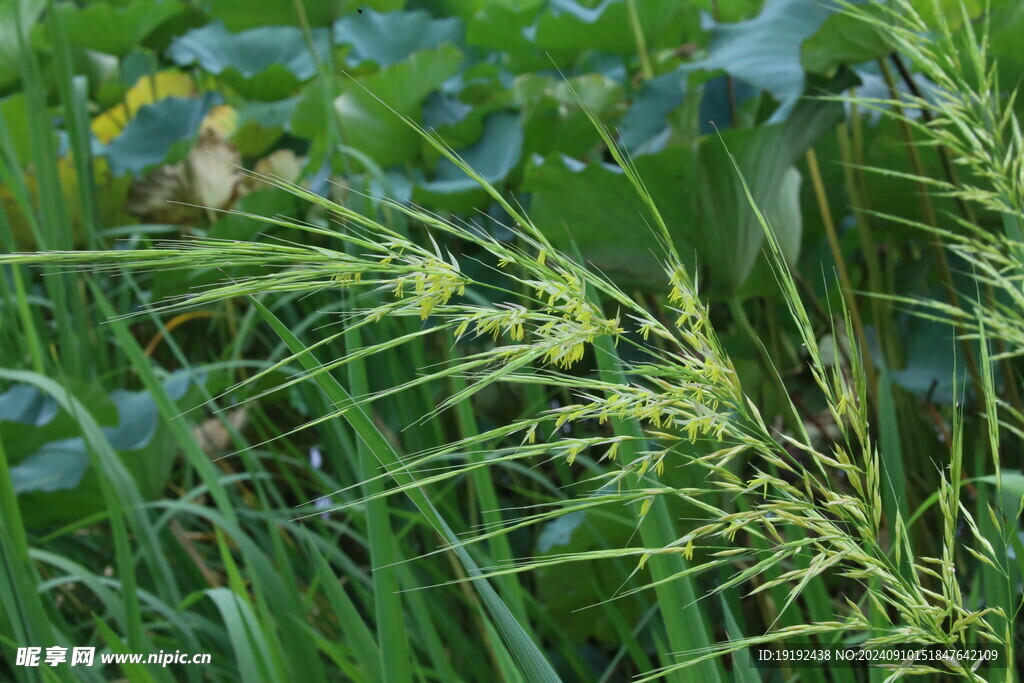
(283, 164)
(214, 171)
(147, 90)
(208, 177)
(222, 121)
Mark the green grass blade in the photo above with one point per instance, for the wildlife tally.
(143, 367)
(122, 498)
(396, 658)
(528, 656)
(21, 608)
(357, 634)
(677, 599)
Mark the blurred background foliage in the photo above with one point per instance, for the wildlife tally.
(148, 506)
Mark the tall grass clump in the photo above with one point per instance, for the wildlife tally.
(969, 118)
(657, 406)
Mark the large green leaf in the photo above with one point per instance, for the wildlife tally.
(723, 100)
(366, 122)
(239, 15)
(595, 207)
(266, 63)
(493, 156)
(842, 39)
(160, 133)
(216, 49)
(261, 124)
(533, 32)
(569, 27)
(501, 27)
(26, 405)
(730, 238)
(644, 126)
(698, 193)
(30, 419)
(934, 367)
(115, 30)
(765, 51)
(1006, 29)
(14, 116)
(59, 469)
(784, 211)
(554, 121)
(392, 37)
(57, 466)
(1007, 26)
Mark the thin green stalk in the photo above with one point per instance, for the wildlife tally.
(490, 507)
(56, 228)
(846, 285)
(771, 372)
(356, 632)
(168, 411)
(29, 339)
(21, 606)
(646, 69)
(945, 275)
(1010, 223)
(73, 93)
(396, 656)
(117, 488)
(894, 483)
(528, 657)
(880, 309)
(677, 599)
